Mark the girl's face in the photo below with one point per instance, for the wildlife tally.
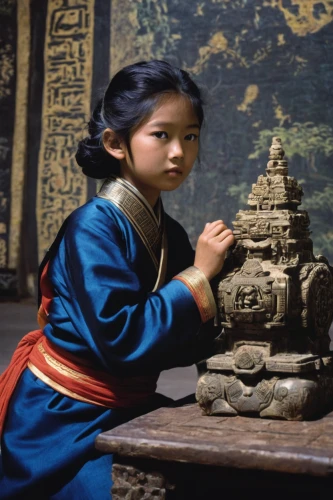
(163, 149)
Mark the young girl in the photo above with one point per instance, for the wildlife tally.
(123, 295)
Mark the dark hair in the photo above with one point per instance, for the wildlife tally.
(129, 99)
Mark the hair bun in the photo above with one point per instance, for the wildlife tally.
(91, 155)
(94, 160)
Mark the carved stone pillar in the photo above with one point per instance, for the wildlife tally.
(275, 303)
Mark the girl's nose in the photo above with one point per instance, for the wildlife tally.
(176, 150)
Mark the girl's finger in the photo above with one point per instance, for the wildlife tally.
(226, 242)
(215, 229)
(222, 236)
(211, 225)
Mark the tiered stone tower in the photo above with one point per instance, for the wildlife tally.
(275, 303)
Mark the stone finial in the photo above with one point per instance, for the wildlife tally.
(277, 165)
(276, 151)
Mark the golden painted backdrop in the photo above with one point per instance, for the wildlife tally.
(266, 68)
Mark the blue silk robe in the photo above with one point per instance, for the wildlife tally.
(103, 311)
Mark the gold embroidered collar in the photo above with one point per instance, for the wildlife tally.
(150, 227)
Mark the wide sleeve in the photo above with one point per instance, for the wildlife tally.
(127, 328)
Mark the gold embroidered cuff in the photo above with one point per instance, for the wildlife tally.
(199, 286)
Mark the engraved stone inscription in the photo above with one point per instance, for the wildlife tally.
(66, 103)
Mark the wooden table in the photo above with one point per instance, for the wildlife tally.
(177, 453)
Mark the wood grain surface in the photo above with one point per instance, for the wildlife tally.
(182, 434)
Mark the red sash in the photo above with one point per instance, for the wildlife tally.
(67, 373)
(10, 377)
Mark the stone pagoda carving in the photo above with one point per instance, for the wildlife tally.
(275, 304)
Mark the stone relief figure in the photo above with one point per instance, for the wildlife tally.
(294, 399)
(248, 298)
(275, 304)
(210, 394)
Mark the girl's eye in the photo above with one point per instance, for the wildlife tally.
(160, 135)
(191, 137)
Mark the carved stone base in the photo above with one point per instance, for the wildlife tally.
(280, 397)
(131, 482)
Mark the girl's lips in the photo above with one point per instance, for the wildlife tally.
(174, 171)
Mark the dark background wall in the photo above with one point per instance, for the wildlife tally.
(8, 37)
(266, 69)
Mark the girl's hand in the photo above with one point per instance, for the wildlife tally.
(212, 246)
